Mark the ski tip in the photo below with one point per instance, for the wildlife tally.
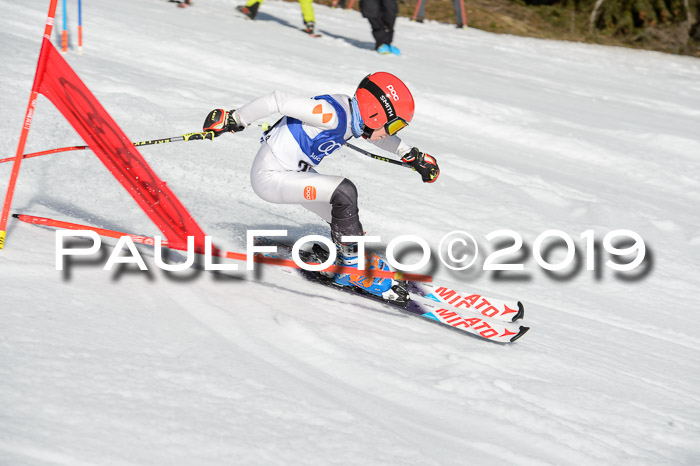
(523, 331)
(521, 312)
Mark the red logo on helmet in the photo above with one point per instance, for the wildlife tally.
(310, 193)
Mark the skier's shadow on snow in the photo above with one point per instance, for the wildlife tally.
(266, 17)
(354, 42)
(335, 299)
(240, 231)
(74, 212)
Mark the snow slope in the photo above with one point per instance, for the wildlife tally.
(127, 367)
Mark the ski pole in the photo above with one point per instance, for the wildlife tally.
(419, 3)
(200, 136)
(64, 34)
(185, 137)
(80, 27)
(379, 157)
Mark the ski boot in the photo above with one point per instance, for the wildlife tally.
(384, 49)
(250, 11)
(385, 288)
(309, 28)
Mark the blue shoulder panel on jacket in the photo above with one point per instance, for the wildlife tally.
(325, 142)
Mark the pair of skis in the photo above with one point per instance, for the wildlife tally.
(489, 318)
(472, 313)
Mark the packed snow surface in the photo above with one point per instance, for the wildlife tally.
(129, 367)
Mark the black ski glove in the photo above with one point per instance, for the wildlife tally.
(220, 121)
(424, 164)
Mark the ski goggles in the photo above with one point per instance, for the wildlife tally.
(391, 127)
(394, 123)
(394, 126)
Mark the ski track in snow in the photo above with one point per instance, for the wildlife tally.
(126, 367)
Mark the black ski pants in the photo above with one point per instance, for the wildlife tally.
(381, 15)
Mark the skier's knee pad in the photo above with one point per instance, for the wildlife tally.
(344, 200)
(344, 211)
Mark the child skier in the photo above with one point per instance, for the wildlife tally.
(284, 171)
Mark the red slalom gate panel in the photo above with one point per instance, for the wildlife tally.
(73, 99)
(56, 80)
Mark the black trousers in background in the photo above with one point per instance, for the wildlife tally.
(381, 15)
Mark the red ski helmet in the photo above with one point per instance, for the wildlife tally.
(384, 100)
